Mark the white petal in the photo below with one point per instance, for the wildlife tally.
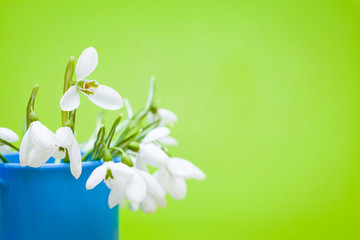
(25, 148)
(106, 97)
(96, 177)
(59, 154)
(160, 202)
(169, 141)
(41, 136)
(64, 137)
(123, 202)
(87, 63)
(167, 116)
(134, 206)
(176, 188)
(110, 183)
(153, 155)
(70, 100)
(152, 185)
(120, 170)
(8, 135)
(163, 177)
(129, 110)
(180, 168)
(75, 159)
(136, 189)
(156, 134)
(117, 195)
(38, 157)
(150, 204)
(140, 164)
(198, 174)
(184, 169)
(4, 149)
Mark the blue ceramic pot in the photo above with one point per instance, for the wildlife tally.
(48, 203)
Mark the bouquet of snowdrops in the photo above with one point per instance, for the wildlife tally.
(139, 140)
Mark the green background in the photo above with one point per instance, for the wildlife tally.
(266, 92)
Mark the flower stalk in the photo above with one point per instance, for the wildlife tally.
(3, 142)
(69, 72)
(30, 107)
(3, 159)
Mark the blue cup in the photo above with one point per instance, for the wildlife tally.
(48, 203)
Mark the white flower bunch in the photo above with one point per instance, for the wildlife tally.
(127, 150)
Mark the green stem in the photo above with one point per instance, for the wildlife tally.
(112, 131)
(86, 155)
(67, 83)
(99, 139)
(31, 104)
(9, 144)
(125, 142)
(3, 159)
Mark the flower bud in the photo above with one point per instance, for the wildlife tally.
(134, 146)
(107, 156)
(125, 158)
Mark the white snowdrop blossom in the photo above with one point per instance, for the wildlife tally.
(116, 176)
(166, 116)
(8, 136)
(126, 184)
(39, 144)
(172, 177)
(150, 152)
(102, 96)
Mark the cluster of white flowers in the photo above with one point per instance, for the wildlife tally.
(136, 183)
(138, 145)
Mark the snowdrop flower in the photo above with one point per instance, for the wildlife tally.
(65, 140)
(166, 116)
(160, 135)
(39, 144)
(121, 180)
(149, 152)
(8, 136)
(103, 96)
(127, 183)
(172, 176)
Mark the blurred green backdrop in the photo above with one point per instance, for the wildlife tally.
(267, 94)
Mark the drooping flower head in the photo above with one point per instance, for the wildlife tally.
(103, 96)
(172, 177)
(127, 184)
(150, 152)
(166, 116)
(39, 144)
